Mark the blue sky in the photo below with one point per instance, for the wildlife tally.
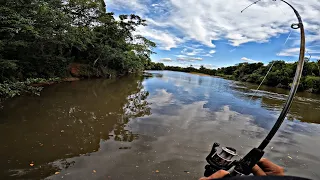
(215, 34)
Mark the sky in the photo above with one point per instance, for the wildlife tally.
(214, 33)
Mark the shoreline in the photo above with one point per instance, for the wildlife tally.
(35, 88)
(34, 85)
(200, 74)
(226, 78)
(43, 84)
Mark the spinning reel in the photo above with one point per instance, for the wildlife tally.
(223, 158)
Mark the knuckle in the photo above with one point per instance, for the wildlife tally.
(263, 159)
(281, 169)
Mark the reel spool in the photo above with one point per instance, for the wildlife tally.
(220, 158)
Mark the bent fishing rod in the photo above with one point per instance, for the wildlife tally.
(223, 158)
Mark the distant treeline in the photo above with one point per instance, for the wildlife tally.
(281, 74)
(43, 39)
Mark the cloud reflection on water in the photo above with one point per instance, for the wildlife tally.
(186, 117)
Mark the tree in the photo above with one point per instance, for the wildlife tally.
(42, 38)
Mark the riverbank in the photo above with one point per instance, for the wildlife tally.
(303, 80)
(309, 80)
(199, 74)
(34, 86)
(281, 74)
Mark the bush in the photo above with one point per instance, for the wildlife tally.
(254, 78)
(9, 90)
(311, 83)
(88, 71)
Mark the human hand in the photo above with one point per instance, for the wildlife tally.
(264, 168)
(267, 168)
(217, 175)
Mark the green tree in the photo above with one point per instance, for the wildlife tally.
(40, 39)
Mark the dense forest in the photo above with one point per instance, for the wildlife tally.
(47, 40)
(281, 74)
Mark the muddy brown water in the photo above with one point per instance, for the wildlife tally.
(159, 127)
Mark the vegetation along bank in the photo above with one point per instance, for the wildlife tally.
(42, 42)
(281, 74)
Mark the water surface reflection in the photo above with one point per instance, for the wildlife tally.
(156, 128)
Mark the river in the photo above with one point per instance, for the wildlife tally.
(159, 127)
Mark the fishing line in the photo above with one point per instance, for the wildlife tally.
(296, 78)
(250, 5)
(222, 158)
(281, 8)
(287, 38)
(315, 62)
(256, 91)
(309, 55)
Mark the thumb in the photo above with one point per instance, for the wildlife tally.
(217, 175)
(257, 171)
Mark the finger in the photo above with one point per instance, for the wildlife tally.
(203, 178)
(257, 171)
(217, 175)
(265, 163)
(270, 168)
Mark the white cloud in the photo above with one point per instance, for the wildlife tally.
(195, 50)
(164, 39)
(166, 60)
(208, 66)
(209, 20)
(289, 52)
(212, 52)
(290, 62)
(127, 4)
(206, 20)
(294, 52)
(190, 51)
(249, 60)
(180, 56)
(313, 51)
(189, 59)
(207, 55)
(196, 45)
(162, 98)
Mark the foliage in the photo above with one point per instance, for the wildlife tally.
(281, 74)
(161, 66)
(41, 38)
(31, 81)
(30, 86)
(202, 69)
(311, 84)
(17, 88)
(155, 66)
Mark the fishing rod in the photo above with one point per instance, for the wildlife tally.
(223, 158)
